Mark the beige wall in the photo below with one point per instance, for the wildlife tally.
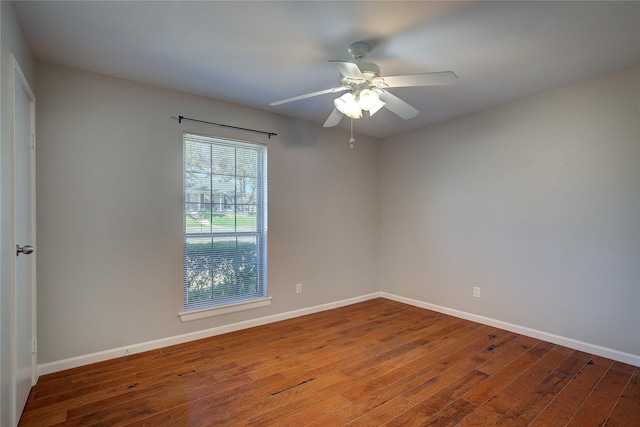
(12, 41)
(109, 200)
(536, 202)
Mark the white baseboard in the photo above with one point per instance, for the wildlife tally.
(48, 368)
(74, 362)
(594, 349)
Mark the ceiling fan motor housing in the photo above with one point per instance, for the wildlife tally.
(369, 70)
(359, 50)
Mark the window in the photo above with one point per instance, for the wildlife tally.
(225, 222)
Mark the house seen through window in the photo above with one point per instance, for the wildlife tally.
(225, 221)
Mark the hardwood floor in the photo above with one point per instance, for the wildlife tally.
(376, 363)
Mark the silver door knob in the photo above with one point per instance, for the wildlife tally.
(26, 249)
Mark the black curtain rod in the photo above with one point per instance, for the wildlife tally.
(269, 134)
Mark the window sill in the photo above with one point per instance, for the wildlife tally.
(188, 316)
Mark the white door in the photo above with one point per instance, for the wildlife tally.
(23, 137)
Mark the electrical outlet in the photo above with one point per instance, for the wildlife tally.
(299, 288)
(476, 292)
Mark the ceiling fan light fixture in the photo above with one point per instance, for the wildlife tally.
(368, 99)
(376, 107)
(348, 106)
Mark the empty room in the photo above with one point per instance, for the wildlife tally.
(320, 213)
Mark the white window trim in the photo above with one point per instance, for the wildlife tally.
(203, 313)
(250, 303)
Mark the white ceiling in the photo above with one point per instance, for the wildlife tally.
(252, 53)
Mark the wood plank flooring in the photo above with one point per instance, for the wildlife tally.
(376, 363)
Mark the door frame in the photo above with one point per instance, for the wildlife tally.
(17, 74)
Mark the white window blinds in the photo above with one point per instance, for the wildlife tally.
(225, 221)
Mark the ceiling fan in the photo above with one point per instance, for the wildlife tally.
(366, 89)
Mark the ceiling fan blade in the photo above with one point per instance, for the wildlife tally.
(334, 119)
(426, 79)
(310, 95)
(348, 69)
(398, 106)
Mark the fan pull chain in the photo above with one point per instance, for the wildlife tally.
(352, 139)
